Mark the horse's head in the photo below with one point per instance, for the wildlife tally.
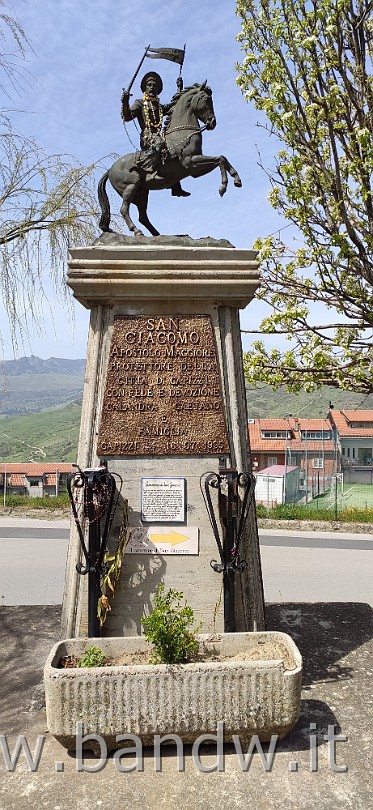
(189, 106)
(193, 103)
(202, 105)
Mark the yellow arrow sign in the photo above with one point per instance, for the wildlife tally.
(168, 537)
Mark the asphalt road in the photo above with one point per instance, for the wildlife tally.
(297, 567)
(32, 565)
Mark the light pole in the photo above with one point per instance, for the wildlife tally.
(288, 430)
(286, 457)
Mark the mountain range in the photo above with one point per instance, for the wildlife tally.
(30, 384)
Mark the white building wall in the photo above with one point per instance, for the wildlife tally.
(269, 488)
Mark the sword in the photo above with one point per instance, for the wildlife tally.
(127, 92)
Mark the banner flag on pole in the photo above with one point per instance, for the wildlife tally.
(172, 54)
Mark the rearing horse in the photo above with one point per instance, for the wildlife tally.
(183, 139)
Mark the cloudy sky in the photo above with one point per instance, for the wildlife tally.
(84, 53)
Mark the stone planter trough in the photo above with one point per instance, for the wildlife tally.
(250, 695)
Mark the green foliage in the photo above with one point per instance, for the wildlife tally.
(167, 628)
(292, 511)
(307, 67)
(92, 657)
(49, 504)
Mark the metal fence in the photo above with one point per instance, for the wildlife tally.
(332, 494)
(342, 496)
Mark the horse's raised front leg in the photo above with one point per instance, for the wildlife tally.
(232, 171)
(199, 165)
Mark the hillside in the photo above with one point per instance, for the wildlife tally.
(40, 405)
(264, 402)
(31, 385)
(51, 435)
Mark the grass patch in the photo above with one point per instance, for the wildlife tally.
(49, 504)
(293, 511)
(288, 511)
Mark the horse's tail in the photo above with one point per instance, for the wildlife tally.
(103, 199)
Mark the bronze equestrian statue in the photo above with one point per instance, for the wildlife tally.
(168, 154)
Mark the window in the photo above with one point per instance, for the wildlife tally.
(34, 483)
(365, 455)
(317, 462)
(316, 434)
(367, 425)
(272, 460)
(276, 434)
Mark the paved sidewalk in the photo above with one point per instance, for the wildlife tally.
(36, 523)
(318, 535)
(335, 640)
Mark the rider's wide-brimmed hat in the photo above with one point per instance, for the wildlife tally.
(152, 75)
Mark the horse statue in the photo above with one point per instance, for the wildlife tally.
(133, 178)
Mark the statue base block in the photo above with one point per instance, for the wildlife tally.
(164, 404)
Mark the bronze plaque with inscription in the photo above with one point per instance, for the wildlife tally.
(163, 394)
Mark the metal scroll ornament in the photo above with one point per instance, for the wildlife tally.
(95, 489)
(235, 493)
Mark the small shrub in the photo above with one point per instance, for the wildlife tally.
(168, 628)
(92, 657)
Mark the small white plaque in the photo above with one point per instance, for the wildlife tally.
(163, 540)
(163, 500)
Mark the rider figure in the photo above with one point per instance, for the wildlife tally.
(149, 113)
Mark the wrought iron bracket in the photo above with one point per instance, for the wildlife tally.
(235, 493)
(99, 488)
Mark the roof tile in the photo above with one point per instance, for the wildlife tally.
(276, 469)
(341, 420)
(38, 469)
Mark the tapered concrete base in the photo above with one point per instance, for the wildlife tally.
(166, 282)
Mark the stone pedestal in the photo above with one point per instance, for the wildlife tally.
(144, 300)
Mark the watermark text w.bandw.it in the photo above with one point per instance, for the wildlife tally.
(130, 757)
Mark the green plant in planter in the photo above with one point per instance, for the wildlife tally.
(168, 628)
(92, 657)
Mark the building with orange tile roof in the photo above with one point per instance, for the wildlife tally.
(34, 479)
(354, 431)
(308, 444)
